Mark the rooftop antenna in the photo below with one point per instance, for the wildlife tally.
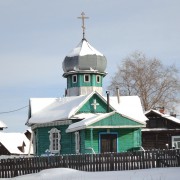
(83, 17)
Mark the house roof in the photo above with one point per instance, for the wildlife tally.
(11, 141)
(90, 119)
(84, 48)
(166, 116)
(84, 57)
(2, 125)
(159, 129)
(130, 107)
(43, 110)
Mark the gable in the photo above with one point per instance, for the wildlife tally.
(159, 120)
(117, 119)
(94, 105)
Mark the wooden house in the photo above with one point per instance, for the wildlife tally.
(85, 121)
(162, 131)
(14, 144)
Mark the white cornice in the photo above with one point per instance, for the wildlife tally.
(55, 123)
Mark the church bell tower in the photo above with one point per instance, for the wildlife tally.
(84, 68)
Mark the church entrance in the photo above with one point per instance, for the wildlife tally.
(108, 143)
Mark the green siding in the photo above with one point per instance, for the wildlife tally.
(67, 141)
(82, 140)
(128, 139)
(87, 107)
(80, 81)
(116, 120)
(43, 142)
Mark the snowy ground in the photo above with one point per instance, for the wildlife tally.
(71, 174)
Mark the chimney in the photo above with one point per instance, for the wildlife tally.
(108, 109)
(172, 114)
(117, 93)
(161, 110)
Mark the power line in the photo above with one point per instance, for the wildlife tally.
(13, 110)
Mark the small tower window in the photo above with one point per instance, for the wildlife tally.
(98, 79)
(54, 138)
(74, 78)
(86, 78)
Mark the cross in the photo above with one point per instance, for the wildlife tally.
(95, 104)
(83, 17)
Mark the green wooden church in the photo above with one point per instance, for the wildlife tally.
(85, 121)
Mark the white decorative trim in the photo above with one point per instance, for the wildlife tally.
(54, 146)
(94, 104)
(98, 77)
(89, 77)
(55, 123)
(73, 78)
(176, 142)
(77, 142)
(114, 127)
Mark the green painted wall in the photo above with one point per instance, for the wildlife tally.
(42, 140)
(80, 81)
(87, 107)
(128, 139)
(115, 120)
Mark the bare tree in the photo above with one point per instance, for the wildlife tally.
(155, 84)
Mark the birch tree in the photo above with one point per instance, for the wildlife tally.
(157, 85)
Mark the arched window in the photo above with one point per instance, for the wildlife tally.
(86, 78)
(98, 78)
(54, 138)
(77, 142)
(74, 78)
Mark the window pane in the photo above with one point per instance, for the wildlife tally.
(74, 78)
(86, 77)
(177, 139)
(98, 78)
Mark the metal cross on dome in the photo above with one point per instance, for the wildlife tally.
(83, 17)
(95, 104)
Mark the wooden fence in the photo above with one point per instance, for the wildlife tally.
(91, 162)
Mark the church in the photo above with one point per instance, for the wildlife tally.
(84, 120)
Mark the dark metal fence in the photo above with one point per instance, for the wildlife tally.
(92, 162)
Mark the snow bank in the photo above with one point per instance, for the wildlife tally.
(143, 174)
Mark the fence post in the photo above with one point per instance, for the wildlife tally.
(65, 159)
(112, 162)
(178, 160)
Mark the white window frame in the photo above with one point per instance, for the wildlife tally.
(175, 143)
(73, 78)
(77, 142)
(98, 76)
(54, 146)
(87, 75)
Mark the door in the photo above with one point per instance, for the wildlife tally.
(108, 143)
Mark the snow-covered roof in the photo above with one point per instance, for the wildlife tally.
(2, 125)
(167, 116)
(11, 141)
(88, 120)
(82, 49)
(158, 129)
(91, 118)
(129, 106)
(44, 110)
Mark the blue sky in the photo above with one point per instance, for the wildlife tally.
(36, 35)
